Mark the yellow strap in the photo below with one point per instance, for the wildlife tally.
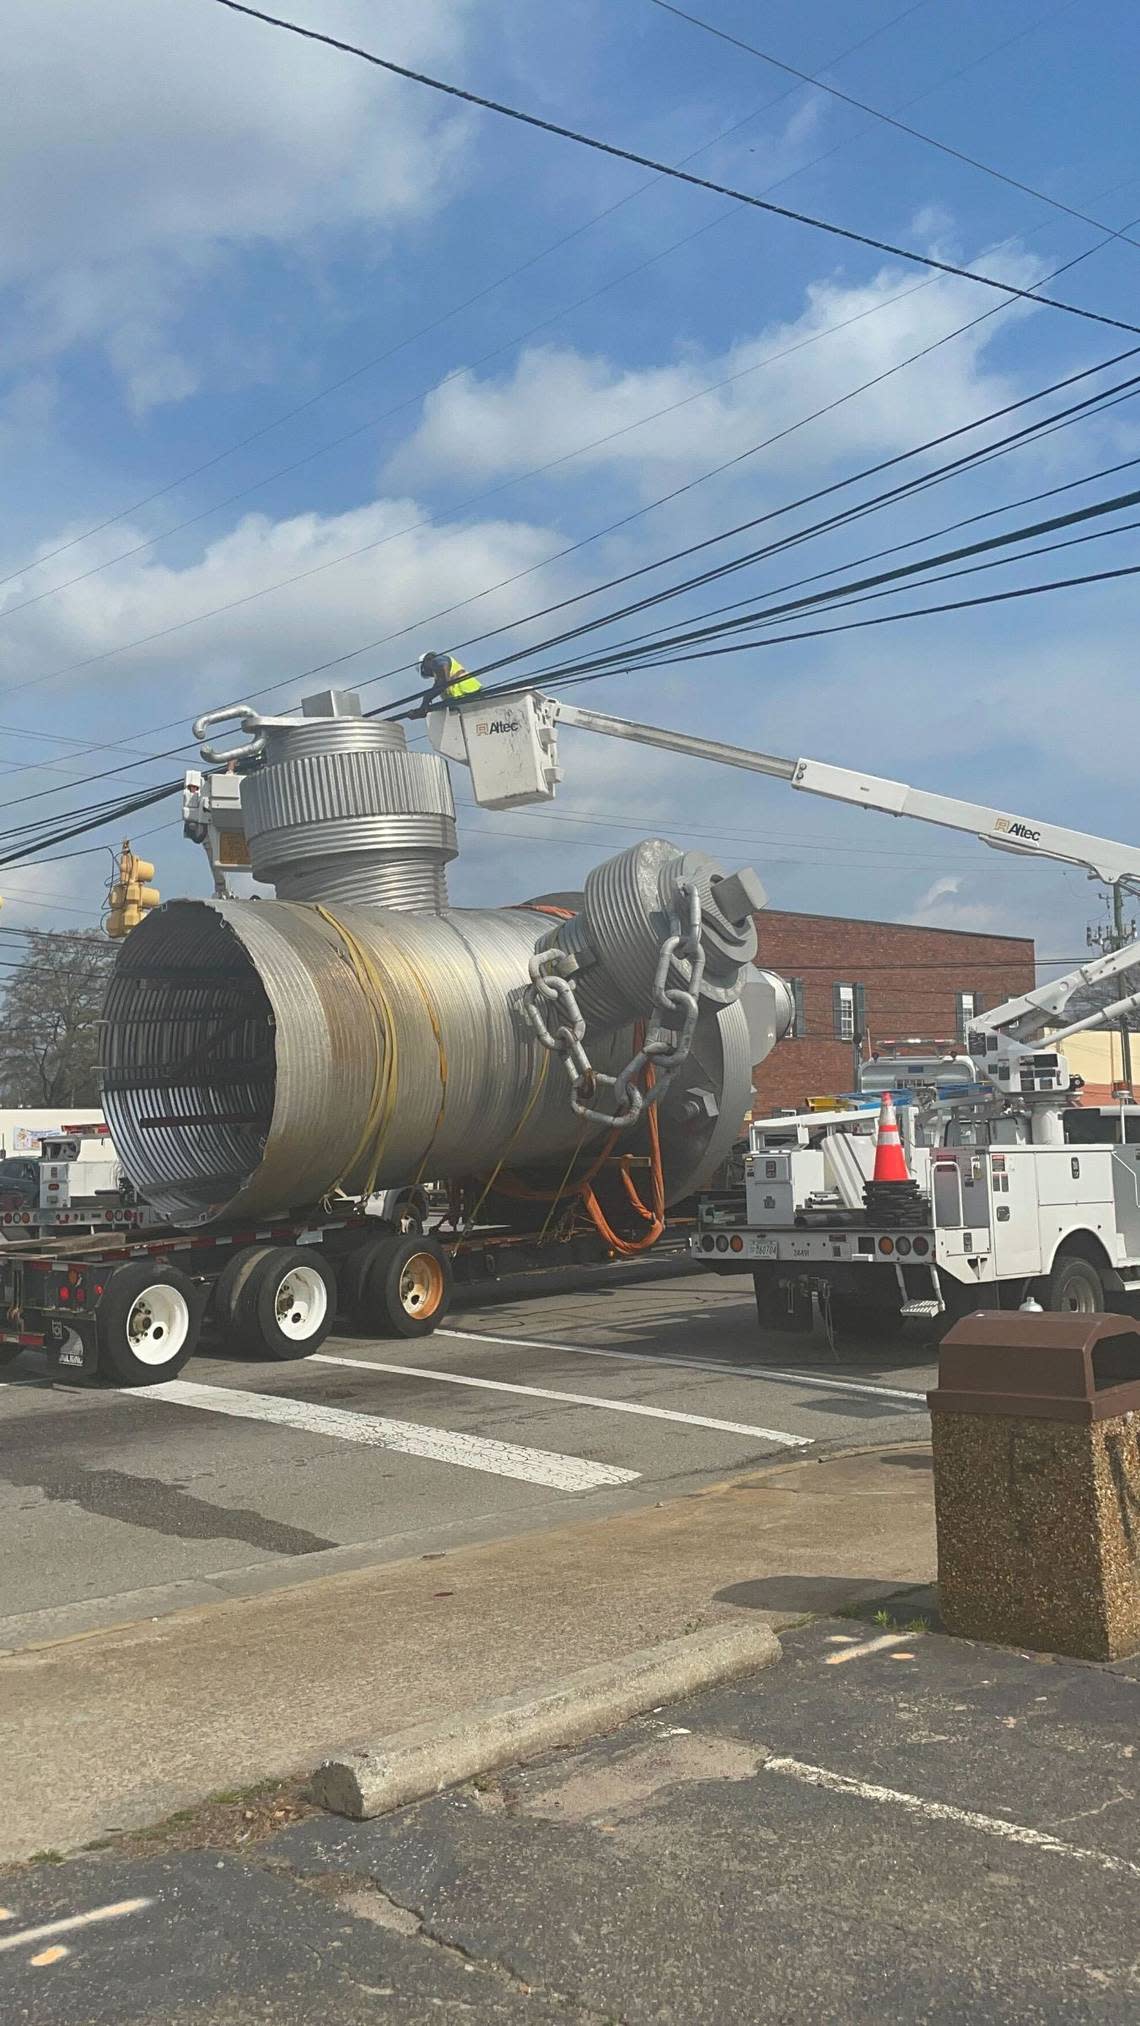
(441, 1051)
(382, 1101)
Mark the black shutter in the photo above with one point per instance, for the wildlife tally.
(860, 997)
(799, 1019)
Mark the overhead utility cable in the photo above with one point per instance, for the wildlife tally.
(677, 174)
(448, 315)
(891, 120)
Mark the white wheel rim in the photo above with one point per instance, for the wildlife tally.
(301, 1303)
(158, 1324)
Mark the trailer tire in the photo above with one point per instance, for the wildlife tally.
(225, 1303)
(286, 1306)
(406, 1291)
(1075, 1286)
(355, 1268)
(147, 1323)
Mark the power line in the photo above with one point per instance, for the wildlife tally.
(555, 680)
(663, 169)
(414, 337)
(623, 521)
(690, 635)
(890, 495)
(92, 822)
(890, 120)
(1044, 425)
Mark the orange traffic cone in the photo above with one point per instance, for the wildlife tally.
(890, 1161)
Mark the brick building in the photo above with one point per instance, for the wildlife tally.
(859, 984)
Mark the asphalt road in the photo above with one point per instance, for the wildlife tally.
(883, 1825)
(241, 1476)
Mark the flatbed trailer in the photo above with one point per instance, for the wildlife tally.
(128, 1305)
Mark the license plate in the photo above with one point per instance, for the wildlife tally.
(766, 1248)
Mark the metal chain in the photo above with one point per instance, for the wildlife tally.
(552, 1008)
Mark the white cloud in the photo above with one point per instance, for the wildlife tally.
(391, 566)
(142, 142)
(558, 403)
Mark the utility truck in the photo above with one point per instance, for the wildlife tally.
(1020, 1191)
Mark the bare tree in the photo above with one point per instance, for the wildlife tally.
(49, 1032)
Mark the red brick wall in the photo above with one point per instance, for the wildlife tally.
(911, 978)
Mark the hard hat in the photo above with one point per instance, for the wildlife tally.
(432, 666)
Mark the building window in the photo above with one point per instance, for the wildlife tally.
(969, 1005)
(799, 1016)
(849, 1005)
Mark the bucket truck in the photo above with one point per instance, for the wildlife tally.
(1022, 1191)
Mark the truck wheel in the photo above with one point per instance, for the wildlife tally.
(146, 1323)
(230, 1286)
(354, 1271)
(1075, 1286)
(287, 1304)
(407, 1289)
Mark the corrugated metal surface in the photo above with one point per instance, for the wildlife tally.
(340, 810)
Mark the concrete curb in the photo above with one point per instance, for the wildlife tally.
(423, 1760)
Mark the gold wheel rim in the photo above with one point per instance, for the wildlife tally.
(421, 1284)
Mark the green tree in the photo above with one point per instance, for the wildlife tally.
(49, 1035)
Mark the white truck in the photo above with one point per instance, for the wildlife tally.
(1020, 1190)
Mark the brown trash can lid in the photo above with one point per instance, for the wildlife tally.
(1080, 1368)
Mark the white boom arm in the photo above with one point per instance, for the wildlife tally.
(521, 730)
(510, 745)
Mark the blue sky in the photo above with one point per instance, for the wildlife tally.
(210, 224)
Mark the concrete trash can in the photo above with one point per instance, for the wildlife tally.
(1036, 1424)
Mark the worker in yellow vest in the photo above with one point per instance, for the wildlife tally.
(448, 678)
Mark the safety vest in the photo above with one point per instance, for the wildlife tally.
(460, 683)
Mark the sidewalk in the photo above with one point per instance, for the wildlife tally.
(119, 1728)
(884, 1825)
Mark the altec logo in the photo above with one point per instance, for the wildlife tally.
(490, 726)
(1008, 828)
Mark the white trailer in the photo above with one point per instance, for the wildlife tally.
(1020, 1190)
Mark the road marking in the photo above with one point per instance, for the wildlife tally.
(941, 1811)
(375, 1431)
(879, 1645)
(74, 1920)
(574, 1399)
(53, 1955)
(693, 1365)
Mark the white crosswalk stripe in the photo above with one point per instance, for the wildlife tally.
(406, 1438)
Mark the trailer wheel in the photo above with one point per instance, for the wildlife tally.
(230, 1286)
(287, 1304)
(1075, 1286)
(355, 1269)
(406, 1291)
(147, 1323)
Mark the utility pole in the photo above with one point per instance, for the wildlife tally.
(1114, 936)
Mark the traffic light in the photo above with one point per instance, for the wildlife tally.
(131, 896)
